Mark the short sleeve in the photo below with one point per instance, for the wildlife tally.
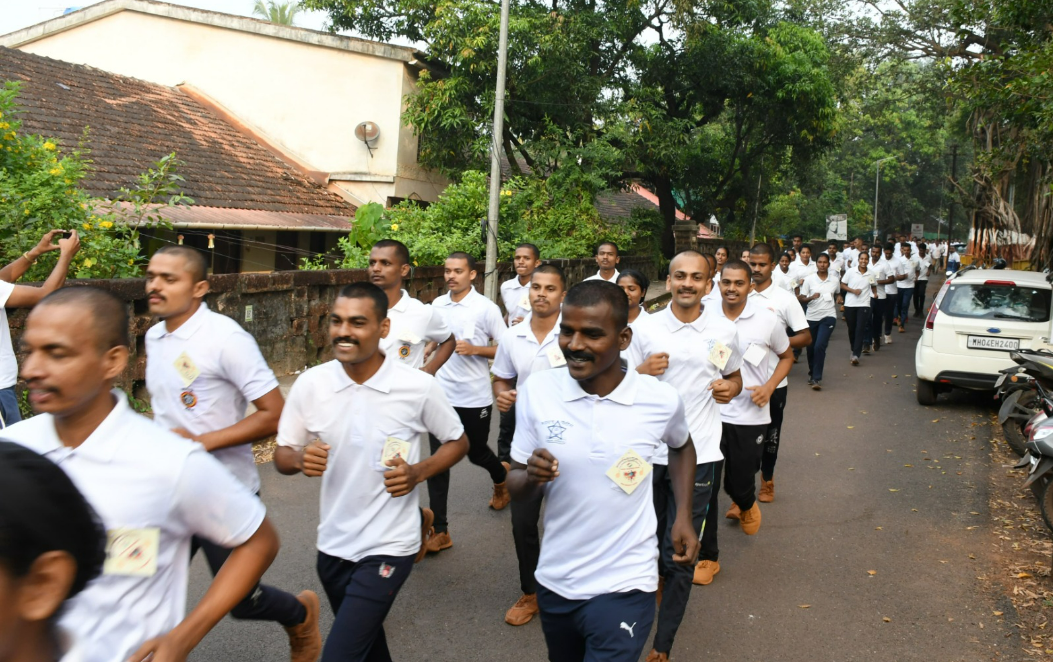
(676, 431)
(525, 439)
(437, 329)
(778, 340)
(6, 289)
(292, 426)
(244, 366)
(215, 505)
(735, 360)
(806, 287)
(438, 416)
(495, 323)
(639, 347)
(795, 318)
(503, 367)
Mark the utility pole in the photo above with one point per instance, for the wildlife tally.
(950, 207)
(490, 286)
(756, 209)
(877, 183)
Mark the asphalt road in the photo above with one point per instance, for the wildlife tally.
(861, 557)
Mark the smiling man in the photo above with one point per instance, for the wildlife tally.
(515, 292)
(607, 260)
(357, 422)
(585, 440)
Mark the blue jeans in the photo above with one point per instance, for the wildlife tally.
(903, 304)
(821, 332)
(9, 406)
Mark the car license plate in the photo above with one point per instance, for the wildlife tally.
(997, 344)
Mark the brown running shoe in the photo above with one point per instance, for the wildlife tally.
(439, 542)
(427, 518)
(523, 610)
(305, 640)
(705, 571)
(733, 512)
(751, 520)
(767, 491)
(655, 656)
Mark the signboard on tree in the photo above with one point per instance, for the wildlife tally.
(837, 227)
(917, 230)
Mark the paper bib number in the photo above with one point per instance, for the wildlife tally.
(132, 552)
(187, 369)
(630, 471)
(394, 448)
(719, 354)
(755, 354)
(524, 303)
(555, 357)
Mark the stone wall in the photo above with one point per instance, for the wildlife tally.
(288, 309)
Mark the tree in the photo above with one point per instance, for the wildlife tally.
(281, 13)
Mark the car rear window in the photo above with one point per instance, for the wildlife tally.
(1001, 301)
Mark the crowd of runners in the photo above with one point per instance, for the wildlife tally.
(624, 423)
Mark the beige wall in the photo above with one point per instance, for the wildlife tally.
(305, 98)
(256, 257)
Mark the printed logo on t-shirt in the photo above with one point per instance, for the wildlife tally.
(556, 430)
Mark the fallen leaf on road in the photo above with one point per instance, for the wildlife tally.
(913, 510)
(877, 528)
(942, 561)
(892, 490)
(851, 468)
(997, 613)
(973, 512)
(972, 556)
(804, 606)
(851, 427)
(935, 420)
(887, 619)
(909, 465)
(871, 572)
(894, 376)
(1023, 575)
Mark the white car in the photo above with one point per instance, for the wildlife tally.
(976, 319)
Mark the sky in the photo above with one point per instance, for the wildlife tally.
(18, 14)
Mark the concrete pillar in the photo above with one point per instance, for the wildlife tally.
(684, 233)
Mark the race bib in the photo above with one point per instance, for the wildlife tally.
(468, 330)
(555, 357)
(872, 280)
(524, 303)
(755, 354)
(629, 472)
(187, 369)
(826, 296)
(394, 448)
(719, 354)
(409, 337)
(132, 552)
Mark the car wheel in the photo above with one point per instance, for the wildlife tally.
(926, 392)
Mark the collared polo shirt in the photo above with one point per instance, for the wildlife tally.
(516, 298)
(788, 309)
(8, 364)
(924, 263)
(801, 271)
(519, 354)
(145, 483)
(827, 289)
(232, 373)
(850, 256)
(756, 327)
(413, 325)
(858, 281)
(476, 319)
(598, 539)
(782, 280)
(691, 372)
(358, 516)
(639, 326)
(613, 279)
(890, 270)
(881, 272)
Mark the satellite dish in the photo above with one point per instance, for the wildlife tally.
(369, 133)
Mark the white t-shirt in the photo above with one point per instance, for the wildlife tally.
(863, 282)
(519, 355)
(413, 325)
(801, 271)
(889, 271)
(358, 516)
(908, 266)
(850, 255)
(925, 263)
(759, 332)
(612, 279)
(690, 370)
(881, 272)
(516, 298)
(782, 280)
(638, 326)
(201, 378)
(598, 539)
(827, 289)
(8, 364)
(476, 319)
(152, 490)
(788, 309)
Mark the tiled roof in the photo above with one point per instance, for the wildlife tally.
(133, 123)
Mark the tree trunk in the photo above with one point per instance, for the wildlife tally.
(663, 188)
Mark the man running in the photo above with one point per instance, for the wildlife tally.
(879, 266)
(820, 289)
(357, 421)
(925, 262)
(152, 489)
(906, 270)
(202, 370)
(515, 292)
(891, 290)
(697, 354)
(524, 350)
(607, 259)
(786, 307)
(585, 440)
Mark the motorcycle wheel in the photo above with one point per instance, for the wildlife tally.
(1044, 493)
(1013, 428)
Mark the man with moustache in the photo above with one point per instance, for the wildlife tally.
(515, 292)
(357, 421)
(695, 352)
(607, 259)
(152, 490)
(585, 440)
(785, 306)
(745, 420)
(523, 350)
(202, 370)
(465, 379)
(413, 324)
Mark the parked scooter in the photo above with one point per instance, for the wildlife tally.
(1017, 388)
(1039, 457)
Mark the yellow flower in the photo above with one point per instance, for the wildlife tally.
(415, 263)
(106, 225)
(131, 261)
(49, 146)
(55, 171)
(4, 125)
(86, 226)
(394, 227)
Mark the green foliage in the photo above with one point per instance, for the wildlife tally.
(282, 13)
(40, 191)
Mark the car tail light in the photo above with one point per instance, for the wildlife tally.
(936, 305)
(1004, 283)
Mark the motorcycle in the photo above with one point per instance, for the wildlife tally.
(1016, 387)
(1039, 457)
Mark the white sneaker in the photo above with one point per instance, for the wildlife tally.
(888, 340)
(855, 360)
